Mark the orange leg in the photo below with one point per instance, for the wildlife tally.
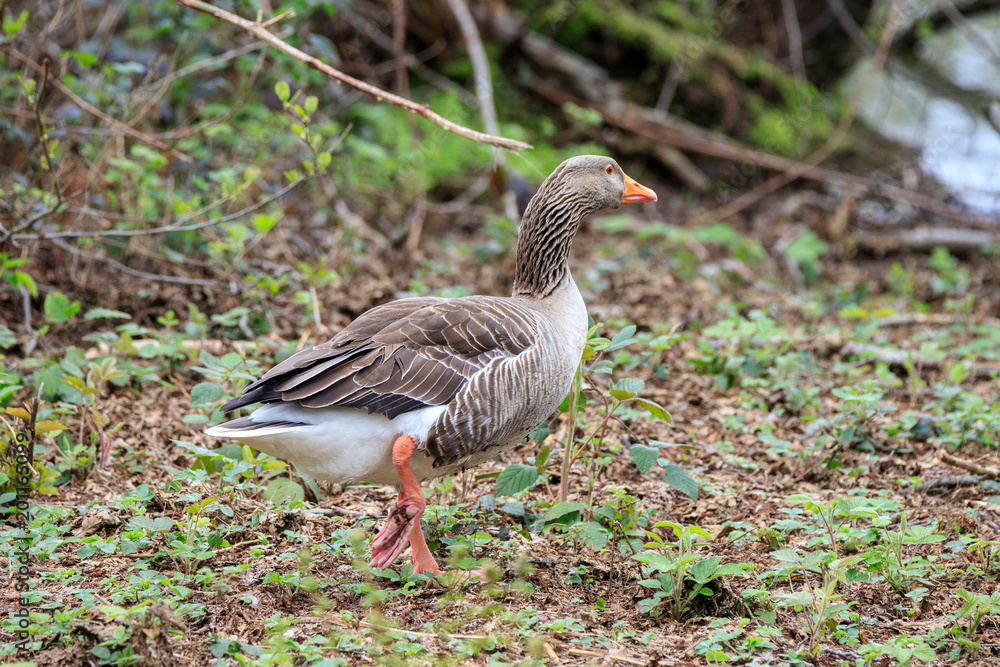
(404, 518)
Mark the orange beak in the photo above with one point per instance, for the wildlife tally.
(635, 193)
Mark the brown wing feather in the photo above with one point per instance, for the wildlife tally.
(395, 358)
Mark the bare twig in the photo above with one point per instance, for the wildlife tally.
(156, 277)
(257, 30)
(484, 84)
(951, 11)
(829, 344)
(398, 40)
(794, 38)
(670, 84)
(927, 238)
(933, 319)
(176, 226)
(335, 511)
(610, 657)
(43, 134)
(850, 26)
(480, 66)
(905, 357)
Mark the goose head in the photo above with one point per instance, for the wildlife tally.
(585, 185)
(579, 187)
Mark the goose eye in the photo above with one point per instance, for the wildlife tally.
(609, 170)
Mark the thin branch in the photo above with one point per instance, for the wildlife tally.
(480, 66)
(950, 481)
(398, 40)
(43, 134)
(849, 25)
(257, 30)
(670, 84)
(794, 38)
(956, 17)
(971, 466)
(142, 274)
(176, 226)
(484, 85)
(926, 238)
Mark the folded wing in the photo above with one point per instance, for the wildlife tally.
(402, 356)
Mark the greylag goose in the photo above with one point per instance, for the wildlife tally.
(425, 387)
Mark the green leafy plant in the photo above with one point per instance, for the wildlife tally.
(904, 650)
(901, 568)
(822, 604)
(976, 607)
(684, 574)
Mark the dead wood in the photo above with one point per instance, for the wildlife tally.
(908, 357)
(971, 466)
(950, 482)
(592, 86)
(927, 238)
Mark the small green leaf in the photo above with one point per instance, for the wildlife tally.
(678, 478)
(7, 337)
(282, 90)
(626, 388)
(515, 478)
(655, 409)
(106, 313)
(204, 393)
(12, 25)
(22, 279)
(786, 555)
(58, 307)
(623, 339)
(282, 489)
(559, 510)
(644, 456)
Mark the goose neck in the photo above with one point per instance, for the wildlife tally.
(543, 247)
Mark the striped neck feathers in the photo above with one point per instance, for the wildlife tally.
(546, 235)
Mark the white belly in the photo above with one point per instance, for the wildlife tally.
(337, 444)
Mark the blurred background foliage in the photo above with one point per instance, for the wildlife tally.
(122, 117)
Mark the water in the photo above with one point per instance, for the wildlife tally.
(936, 104)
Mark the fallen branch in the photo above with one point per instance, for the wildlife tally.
(904, 357)
(795, 171)
(950, 482)
(927, 238)
(260, 31)
(830, 344)
(593, 87)
(971, 466)
(933, 319)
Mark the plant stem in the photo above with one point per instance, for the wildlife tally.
(574, 407)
